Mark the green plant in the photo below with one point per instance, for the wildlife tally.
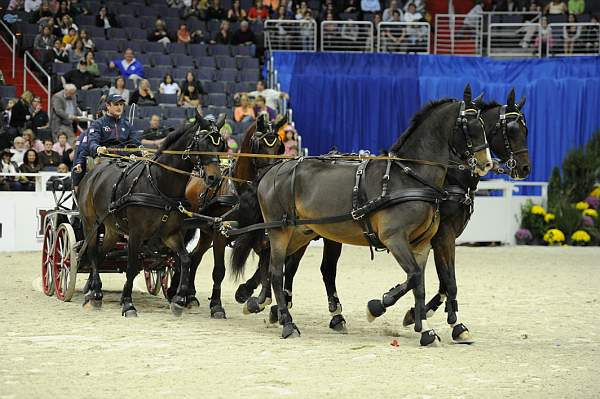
(532, 218)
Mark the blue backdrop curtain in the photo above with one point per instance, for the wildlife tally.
(365, 101)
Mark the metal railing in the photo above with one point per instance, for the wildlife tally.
(291, 35)
(347, 36)
(458, 34)
(572, 39)
(510, 17)
(12, 47)
(514, 40)
(403, 37)
(41, 179)
(46, 87)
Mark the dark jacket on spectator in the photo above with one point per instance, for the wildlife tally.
(19, 114)
(136, 98)
(78, 78)
(111, 20)
(52, 160)
(221, 39)
(197, 83)
(216, 13)
(240, 37)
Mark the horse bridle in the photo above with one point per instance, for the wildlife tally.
(502, 125)
(269, 137)
(200, 136)
(462, 124)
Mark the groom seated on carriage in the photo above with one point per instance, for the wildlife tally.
(110, 130)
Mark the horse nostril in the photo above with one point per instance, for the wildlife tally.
(526, 169)
(488, 165)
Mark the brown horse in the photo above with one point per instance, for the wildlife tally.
(315, 189)
(221, 201)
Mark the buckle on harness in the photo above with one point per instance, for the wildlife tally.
(165, 218)
(356, 215)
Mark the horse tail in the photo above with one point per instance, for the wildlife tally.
(249, 213)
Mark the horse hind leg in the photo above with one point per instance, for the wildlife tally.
(133, 249)
(216, 307)
(331, 254)
(94, 254)
(291, 267)
(258, 304)
(245, 290)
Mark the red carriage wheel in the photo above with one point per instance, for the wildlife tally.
(65, 262)
(154, 280)
(47, 257)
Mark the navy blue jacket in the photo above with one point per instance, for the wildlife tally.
(83, 149)
(109, 132)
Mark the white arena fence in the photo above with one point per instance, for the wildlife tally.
(291, 35)
(514, 40)
(347, 36)
(573, 39)
(458, 34)
(403, 37)
(496, 218)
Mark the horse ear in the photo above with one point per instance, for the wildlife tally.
(478, 101)
(467, 96)
(221, 120)
(280, 121)
(510, 101)
(521, 103)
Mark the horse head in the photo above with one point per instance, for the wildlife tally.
(207, 138)
(476, 150)
(266, 139)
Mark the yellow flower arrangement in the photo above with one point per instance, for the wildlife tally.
(554, 237)
(590, 212)
(595, 192)
(581, 236)
(549, 217)
(582, 205)
(537, 210)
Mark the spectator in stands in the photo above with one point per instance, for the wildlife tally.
(471, 21)
(70, 39)
(545, 37)
(59, 54)
(556, 7)
(351, 6)
(119, 88)
(129, 67)
(18, 149)
(591, 36)
(77, 8)
(54, 6)
(190, 97)
(415, 33)
(88, 43)
(106, 19)
(42, 46)
(370, 6)
(260, 106)
(42, 13)
(31, 142)
(80, 77)
(16, 5)
(244, 36)
(190, 78)
(571, 34)
(183, 34)
(227, 134)
(63, 10)
(576, 7)
(271, 96)
(223, 36)
(39, 122)
(65, 111)
(215, 11)
(168, 86)
(159, 34)
(387, 13)
(307, 32)
(143, 96)
(20, 111)
(244, 112)
(67, 157)
(197, 8)
(90, 62)
(290, 140)
(393, 37)
(49, 159)
(155, 134)
(301, 10)
(77, 52)
(350, 34)
(31, 164)
(236, 12)
(330, 32)
(62, 144)
(259, 12)
(283, 36)
(7, 116)
(8, 183)
(66, 24)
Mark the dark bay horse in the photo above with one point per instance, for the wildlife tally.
(313, 189)
(142, 200)
(219, 201)
(507, 135)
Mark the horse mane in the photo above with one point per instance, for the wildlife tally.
(245, 146)
(416, 121)
(243, 165)
(490, 105)
(174, 136)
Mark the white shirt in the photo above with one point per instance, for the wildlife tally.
(172, 88)
(370, 5)
(271, 97)
(18, 157)
(389, 16)
(408, 17)
(8, 167)
(32, 5)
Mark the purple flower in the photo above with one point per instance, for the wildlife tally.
(588, 221)
(593, 202)
(523, 234)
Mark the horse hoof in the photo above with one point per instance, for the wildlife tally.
(461, 335)
(252, 306)
(273, 315)
(409, 318)
(130, 313)
(92, 304)
(290, 331)
(217, 312)
(429, 337)
(375, 309)
(192, 302)
(243, 293)
(177, 309)
(338, 324)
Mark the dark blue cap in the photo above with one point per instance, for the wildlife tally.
(115, 98)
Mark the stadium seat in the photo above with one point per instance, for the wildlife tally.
(137, 34)
(249, 75)
(176, 48)
(8, 92)
(218, 49)
(147, 112)
(206, 62)
(167, 99)
(245, 51)
(205, 73)
(141, 124)
(247, 63)
(226, 74)
(224, 61)
(215, 87)
(197, 50)
(153, 47)
(177, 113)
(183, 61)
(162, 60)
(217, 99)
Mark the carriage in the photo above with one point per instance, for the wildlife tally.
(62, 259)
